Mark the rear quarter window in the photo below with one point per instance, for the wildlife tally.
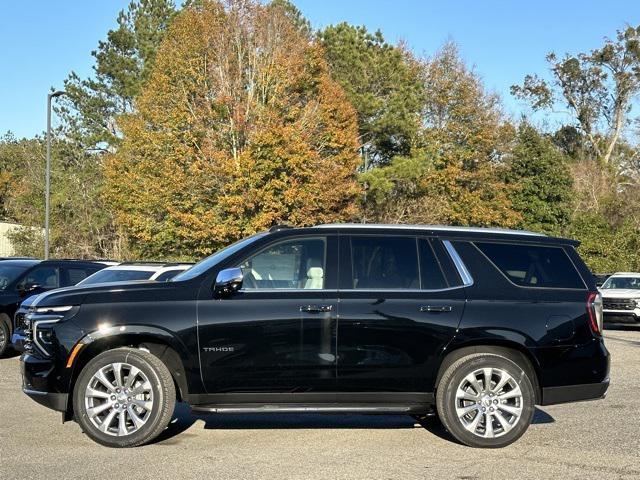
(533, 265)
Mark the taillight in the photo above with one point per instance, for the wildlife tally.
(594, 310)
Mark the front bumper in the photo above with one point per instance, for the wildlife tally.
(629, 317)
(18, 339)
(38, 382)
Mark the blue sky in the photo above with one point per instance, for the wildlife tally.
(42, 41)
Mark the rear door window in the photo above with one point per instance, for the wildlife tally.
(431, 275)
(384, 263)
(76, 274)
(532, 265)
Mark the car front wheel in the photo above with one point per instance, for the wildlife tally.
(485, 400)
(5, 335)
(124, 398)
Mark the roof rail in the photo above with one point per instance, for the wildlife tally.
(275, 228)
(155, 262)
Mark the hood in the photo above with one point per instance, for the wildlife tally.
(620, 293)
(114, 291)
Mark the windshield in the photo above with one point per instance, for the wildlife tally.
(8, 273)
(108, 276)
(622, 282)
(205, 264)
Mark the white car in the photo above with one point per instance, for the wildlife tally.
(126, 272)
(621, 298)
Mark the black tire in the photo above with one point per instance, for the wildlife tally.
(446, 401)
(5, 335)
(162, 387)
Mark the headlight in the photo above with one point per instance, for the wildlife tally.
(638, 302)
(64, 308)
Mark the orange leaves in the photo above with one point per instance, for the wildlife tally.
(239, 127)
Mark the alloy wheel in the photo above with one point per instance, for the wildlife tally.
(119, 399)
(489, 402)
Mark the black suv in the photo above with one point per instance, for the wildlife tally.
(478, 325)
(24, 277)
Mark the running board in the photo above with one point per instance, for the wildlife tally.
(317, 408)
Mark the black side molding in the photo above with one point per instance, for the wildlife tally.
(574, 393)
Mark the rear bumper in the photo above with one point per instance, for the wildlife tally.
(574, 393)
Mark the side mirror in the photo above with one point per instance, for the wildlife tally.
(29, 288)
(228, 282)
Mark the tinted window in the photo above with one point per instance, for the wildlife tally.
(384, 263)
(9, 273)
(221, 255)
(77, 274)
(430, 272)
(108, 276)
(292, 264)
(45, 277)
(533, 266)
(623, 282)
(168, 275)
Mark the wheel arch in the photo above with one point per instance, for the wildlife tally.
(512, 350)
(157, 344)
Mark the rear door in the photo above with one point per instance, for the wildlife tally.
(400, 304)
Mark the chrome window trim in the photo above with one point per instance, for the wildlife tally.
(467, 279)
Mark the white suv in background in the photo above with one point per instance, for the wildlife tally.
(130, 271)
(621, 298)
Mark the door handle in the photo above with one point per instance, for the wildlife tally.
(316, 308)
(436, 309)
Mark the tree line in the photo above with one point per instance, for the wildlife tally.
(207, 123)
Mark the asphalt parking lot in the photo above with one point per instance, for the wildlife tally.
(578, 441)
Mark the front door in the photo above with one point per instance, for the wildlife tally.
(278, 332)
(398, 310)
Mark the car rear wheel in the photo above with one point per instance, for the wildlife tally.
(124, 398)
(485, 400)
(5, 335)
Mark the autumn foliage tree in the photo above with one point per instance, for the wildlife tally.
(453, 175)
(240, 127)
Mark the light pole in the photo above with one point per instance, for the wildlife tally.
(47, 175)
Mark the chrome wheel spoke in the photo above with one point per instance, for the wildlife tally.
(514, 393)
(471, 378)
(465, 395)
(102, 378)
(466, 410)
(117, 374)
(92, 412)
(91, 392)
(144, 388)
(137, 421)
(122, 423)
(504, 423)
(473, 425)
(486, 375)
(488, 425)
(133, 373)
(107, 421)
(142, 404)
(515, 411)
(501, 383)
